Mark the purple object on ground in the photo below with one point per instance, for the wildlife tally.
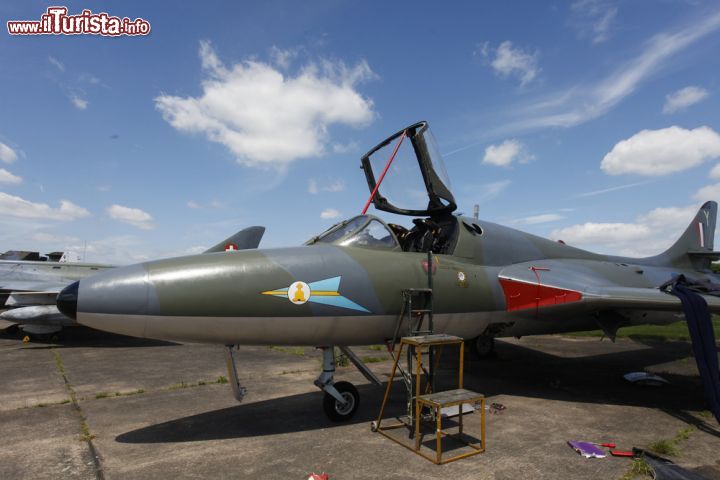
(586, 449)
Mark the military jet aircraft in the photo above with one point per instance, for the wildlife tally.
(345, 286)
(29, 288)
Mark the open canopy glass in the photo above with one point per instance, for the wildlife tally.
(410, 173)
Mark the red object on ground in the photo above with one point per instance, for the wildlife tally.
(608, 445)
(318, 476)
(621, 453)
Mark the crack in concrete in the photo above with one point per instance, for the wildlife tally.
(86, 435)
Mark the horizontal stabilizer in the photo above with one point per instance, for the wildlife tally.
(708, 255)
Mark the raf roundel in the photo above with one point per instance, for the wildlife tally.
(299, 293)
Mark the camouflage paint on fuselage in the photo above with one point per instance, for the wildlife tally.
(223, 297)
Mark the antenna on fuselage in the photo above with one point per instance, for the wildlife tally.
(476, 211)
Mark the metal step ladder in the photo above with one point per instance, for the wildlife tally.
(415, 320)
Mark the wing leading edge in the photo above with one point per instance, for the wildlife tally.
(585, 286)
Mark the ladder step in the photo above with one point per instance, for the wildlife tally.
(454, 411)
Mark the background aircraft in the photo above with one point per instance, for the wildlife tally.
(29, 287)
(345, 286)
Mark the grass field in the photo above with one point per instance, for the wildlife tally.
(673, 331)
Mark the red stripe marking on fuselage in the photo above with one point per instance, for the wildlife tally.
(522, 295)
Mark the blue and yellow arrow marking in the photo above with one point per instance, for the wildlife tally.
(325, 292)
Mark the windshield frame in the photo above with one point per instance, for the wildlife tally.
(367, 219)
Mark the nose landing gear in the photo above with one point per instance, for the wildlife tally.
(341, 399)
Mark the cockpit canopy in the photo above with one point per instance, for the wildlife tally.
(416, 162)
(361, 231)
(407, 161)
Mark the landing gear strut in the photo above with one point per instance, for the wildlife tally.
(341, 399)
(238, 390)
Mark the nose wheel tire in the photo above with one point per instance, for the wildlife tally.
(484, 346)
(339, 412)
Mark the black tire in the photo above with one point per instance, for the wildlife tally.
(484, 346)
(335, 410)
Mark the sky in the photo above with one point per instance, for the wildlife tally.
(591, 121)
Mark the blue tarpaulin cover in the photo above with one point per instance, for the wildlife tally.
(702, 334)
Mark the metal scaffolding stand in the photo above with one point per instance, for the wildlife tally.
(436, 402)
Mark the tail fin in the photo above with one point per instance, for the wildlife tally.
(696, 243)
(245, 239)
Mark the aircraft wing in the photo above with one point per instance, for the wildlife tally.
(32, 286)
(543, 286)
(22, 293)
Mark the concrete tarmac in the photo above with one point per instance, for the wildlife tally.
(94, 405)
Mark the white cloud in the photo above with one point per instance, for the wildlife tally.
(669, 217)
(600, 233)
(57, 63)
(683, 98)
(708, 192)
(119, 250)
(611, 189)
(715, 172)
(313, 186)
(574, 105)
(92, 79)
(132, 216)
(593, 18)
(515, 62)
(505, 153)
(329, 214)
(7, 177)
(79, 103)
(283, 57)
(7, 154)
(650, 234)
(488, 191)
(536, 219)
(664, 151)
(13, 206)
(194, 250)
(267, 118)
(342, 148)
(53, 239)
(217, 204)
(334, 186)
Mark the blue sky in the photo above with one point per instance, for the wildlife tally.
(592, 121)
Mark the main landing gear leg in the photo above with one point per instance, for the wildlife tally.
(341, 399)
(238, 390)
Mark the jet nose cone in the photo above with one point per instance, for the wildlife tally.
(67, 300)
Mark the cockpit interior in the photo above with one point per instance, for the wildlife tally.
(370, 232)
